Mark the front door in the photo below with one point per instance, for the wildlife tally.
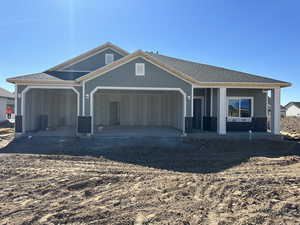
(197, 119)
(114, 113)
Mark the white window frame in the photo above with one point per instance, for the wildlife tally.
(137, 72)
(107, 57)
(239, 98)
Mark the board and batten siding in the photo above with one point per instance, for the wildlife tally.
(21, 88)
(140, 108)
(124, 76)
(60, 106)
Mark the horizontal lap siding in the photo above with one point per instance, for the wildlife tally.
(124, 76)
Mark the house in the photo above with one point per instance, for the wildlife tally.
(6, 100)
(107, 87)
(282, 109)
(293, 109)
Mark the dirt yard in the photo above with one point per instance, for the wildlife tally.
(291, 126)
(149, 181)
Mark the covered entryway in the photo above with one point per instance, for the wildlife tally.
(50, 112)
(131, 111)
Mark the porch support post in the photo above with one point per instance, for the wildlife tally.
(222, 111)
(275, 122)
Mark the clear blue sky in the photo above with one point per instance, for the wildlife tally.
(260, 37)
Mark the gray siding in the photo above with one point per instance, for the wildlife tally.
(140, 108)
(60, 106)
(93, 62)
(22, 87)
(259, 99)
(205, 93)
(124, 76)
(257, 94)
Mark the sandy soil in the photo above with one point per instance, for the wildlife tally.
(149, 181)
(6, 133)
(291, 125)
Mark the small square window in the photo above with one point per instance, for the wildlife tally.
(140, 69)
(109, 58)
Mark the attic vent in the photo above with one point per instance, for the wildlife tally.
(140, 69)
(109, 58)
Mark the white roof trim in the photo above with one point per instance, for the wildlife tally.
(129, 58)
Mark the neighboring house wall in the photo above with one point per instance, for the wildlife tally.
(283, 112)
(124, 76)
(293, 111)
(94, 62)
(3, 103)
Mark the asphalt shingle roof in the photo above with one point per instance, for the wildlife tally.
(198, 71)
(208, 73)
(6, 94)
(52, 76)
(293, 103)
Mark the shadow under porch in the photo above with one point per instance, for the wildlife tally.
(245, 110)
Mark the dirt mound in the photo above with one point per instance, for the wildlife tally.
(237, 182)
(290, 125)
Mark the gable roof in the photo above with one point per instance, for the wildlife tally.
(6, 94)
(130, 57)
(89, 54)
(297, 104)
(192, 72)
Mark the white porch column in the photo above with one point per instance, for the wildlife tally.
(275, 113)
(222, 95)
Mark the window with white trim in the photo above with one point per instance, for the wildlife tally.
(240, 107)
(140, 69)
(109, 58)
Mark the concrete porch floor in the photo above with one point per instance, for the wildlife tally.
(234, 135)
(66, 131)
(138, 131)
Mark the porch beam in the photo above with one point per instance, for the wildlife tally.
(222, 110)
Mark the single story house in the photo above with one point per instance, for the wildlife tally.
(282, 109)
(110, 87)
(6, 100)
(293, 109)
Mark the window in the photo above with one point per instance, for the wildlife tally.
(240, 107)
(109, 58)
(140, 69)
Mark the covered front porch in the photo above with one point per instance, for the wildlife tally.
(242, 109)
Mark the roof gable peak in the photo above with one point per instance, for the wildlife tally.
(88, 54)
